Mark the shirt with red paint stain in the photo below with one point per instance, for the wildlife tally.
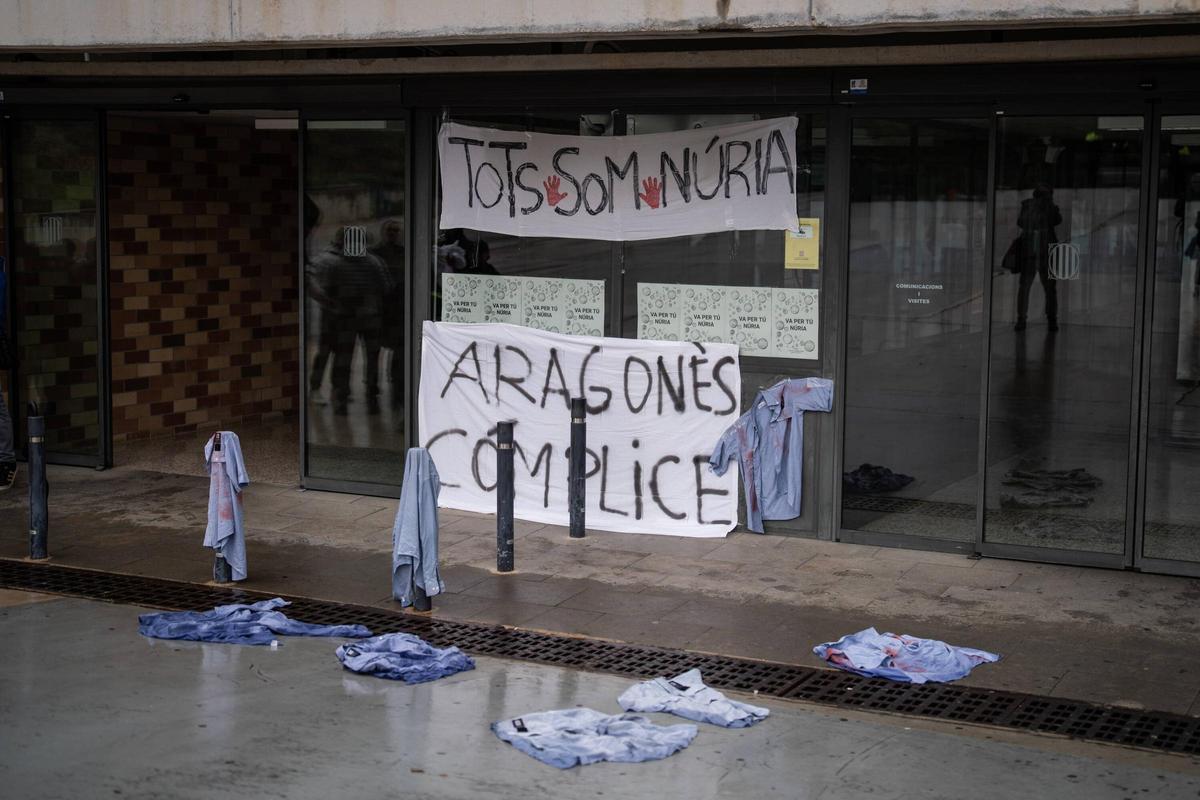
(903, 658)
(768, 441)
(225, 532)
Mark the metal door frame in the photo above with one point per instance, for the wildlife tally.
(1146, 317)
(103, 458)
(1151, 112)
(1090, 107)
(306, 115)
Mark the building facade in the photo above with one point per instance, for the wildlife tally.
(225, 214)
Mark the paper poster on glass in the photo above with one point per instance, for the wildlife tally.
(704, 315)
(558, 305)
(543, 305)
(796, 313)
(761, 321)
(802, 248)
(749, 312)
(658, 311)
(462, 298)
(501, 298)
(583, 307)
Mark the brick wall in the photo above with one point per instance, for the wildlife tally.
(205, 301)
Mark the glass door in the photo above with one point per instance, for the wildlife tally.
(1064, 299)
(914, 335)
(1171, 526)
(355, 301)
(57, 286)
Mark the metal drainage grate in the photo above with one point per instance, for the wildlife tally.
(1147, 729)
(907, 505)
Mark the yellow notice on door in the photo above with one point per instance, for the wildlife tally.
(802, 250)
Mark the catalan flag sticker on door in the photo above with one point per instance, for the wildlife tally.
(802, 249)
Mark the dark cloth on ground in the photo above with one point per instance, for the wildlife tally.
(873, 479)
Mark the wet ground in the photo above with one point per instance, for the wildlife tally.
(1100, 635)
(91, 709)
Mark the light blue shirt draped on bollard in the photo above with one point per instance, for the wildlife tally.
(415, 532)
(768, 441)
(226, 532)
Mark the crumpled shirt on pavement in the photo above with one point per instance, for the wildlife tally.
(574, 736)
(403, 657)
(902, 658)
(258, 623)
(687, 696)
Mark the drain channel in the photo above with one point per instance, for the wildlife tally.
(1152, 730)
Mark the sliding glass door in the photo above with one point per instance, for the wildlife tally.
(355, 301)
(58, 285)
(1064, 301)
(914, 335)
(1087, 440)
(1171, 519)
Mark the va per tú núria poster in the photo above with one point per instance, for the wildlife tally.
(558, 305)
(761, 321)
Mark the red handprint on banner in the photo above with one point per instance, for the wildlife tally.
(653, 192)
(553, 195)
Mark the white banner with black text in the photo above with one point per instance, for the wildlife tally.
(620, 188)
(655, 411)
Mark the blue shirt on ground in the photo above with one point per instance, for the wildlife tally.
(403, 657)
(257, 623)
(574, 736)
(687, 696)
(906, 659)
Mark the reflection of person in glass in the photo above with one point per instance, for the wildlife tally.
(325, 333)
(450, 258)
(1191, 237)
(354, 288)
(390, 251)
(483, 260)
(1192, 250)
(476, 252)
(1037, 220)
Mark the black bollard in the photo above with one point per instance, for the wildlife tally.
(222, 572)
(421, 601)
(504, 497)
(577, 480)
(39, 487)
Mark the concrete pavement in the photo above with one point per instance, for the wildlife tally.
(142, 718)
(1105, 636)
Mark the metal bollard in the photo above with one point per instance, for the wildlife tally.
(39, 487)
(505, 493)
(577, 478)
(421, 601)
(222, 572)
